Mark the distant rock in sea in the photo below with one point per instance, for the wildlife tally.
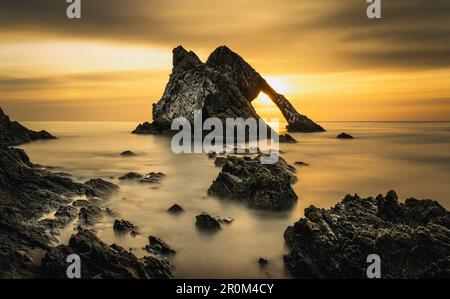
(345, 136)
(286, 138)
(128, 154)
(260, 186)
(13, 133)
(412, 239)
(223, 87)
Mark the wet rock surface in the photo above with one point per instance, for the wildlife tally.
(260, 186)
(223, 87)
(411, 238)
(100, 189)
(102, 261)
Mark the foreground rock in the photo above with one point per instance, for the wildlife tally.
(102, 261)
(411, 238)
(344, 136)
(13, 133)
(260, 186)
(223, 87)
(100, 189)
(207, 223)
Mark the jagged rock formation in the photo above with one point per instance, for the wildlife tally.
(259, 186)
(223, 87)
(102, 261)
(13, 133)
(411, 238)
(27, 192)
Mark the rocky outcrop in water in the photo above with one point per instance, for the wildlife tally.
(411, 238)
(13, 133)
(102, 261)
(223, 87)
(260, 186)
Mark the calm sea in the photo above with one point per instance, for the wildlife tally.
(411, 157)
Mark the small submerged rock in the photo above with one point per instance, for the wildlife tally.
(175, 209)
(153, 178)
(158, 246)
(226, 220)
(123, 226)
(301, 163)
(131, 176)
(150, 178)
(128, 154)
(344, 136)
(207, 223)
(263, 262)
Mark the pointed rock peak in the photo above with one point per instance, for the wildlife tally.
(224, 56)
(184, 60)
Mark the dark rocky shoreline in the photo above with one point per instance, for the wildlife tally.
(27, 191)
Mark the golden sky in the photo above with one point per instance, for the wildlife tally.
(325, 56)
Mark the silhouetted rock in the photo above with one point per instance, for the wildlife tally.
(261, 186)
(301, 163)
(223, 87)
(207, 223)
(13, 133)
(286, 138)
(175, 209)
(344, 136)
(128, 154)
(123, 226)
(263, 262)
(158, 246)
(102, 261)
(411, 238)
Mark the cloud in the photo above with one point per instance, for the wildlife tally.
(410, 34)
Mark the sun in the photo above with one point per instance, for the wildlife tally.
(263, 99)
(279, 84)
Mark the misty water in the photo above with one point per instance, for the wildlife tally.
(412, 158)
